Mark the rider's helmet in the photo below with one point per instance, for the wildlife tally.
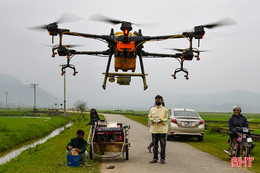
(237, 107)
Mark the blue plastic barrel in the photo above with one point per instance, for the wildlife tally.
(72, 161)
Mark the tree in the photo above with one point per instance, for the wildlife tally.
(81, 106)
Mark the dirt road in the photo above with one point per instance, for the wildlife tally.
(180, 157)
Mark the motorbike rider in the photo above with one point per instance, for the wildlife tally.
(237, 120)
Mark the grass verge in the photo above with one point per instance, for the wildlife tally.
(21, 113)
(51, 156)
(208, 116)
(141, 119)
(17, 130)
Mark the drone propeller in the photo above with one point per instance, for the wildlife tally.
(66, 17)
(40, 27)
(223, 22)
(72, 45)
(68, 45)
(101, 18)
(181, 50)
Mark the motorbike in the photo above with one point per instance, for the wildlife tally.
(245, 144)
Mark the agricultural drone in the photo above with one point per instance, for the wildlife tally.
(126, 46)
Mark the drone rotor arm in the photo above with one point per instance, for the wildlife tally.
(106, 52)
(93, 36)
(165, 37)
(159, 55)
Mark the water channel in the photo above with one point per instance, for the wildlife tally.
(17, 150)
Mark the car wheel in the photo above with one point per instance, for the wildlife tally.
(170, 137)
(200, 138)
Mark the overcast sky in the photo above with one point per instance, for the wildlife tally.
(232, 63)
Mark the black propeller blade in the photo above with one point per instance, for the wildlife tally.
(68, 45)
(66, 17)
(181, 50)
(72, 45)
(101, 18)
(223, 22)
(41, 27)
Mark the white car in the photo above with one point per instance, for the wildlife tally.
(185, 122)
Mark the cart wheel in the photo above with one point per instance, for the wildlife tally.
(127, 153)
(127, 150)
(90, 153)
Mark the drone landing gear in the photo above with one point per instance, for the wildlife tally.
(181, 69)
(142, 69)
(123, 78)
(68, 65)
(107, 70)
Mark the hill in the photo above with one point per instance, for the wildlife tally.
(21, 95)
(249, 101)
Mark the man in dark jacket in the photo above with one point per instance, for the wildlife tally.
(79, 145)
(237, 120)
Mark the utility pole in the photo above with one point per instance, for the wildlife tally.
(6, 100)
(64, 92)
(34, 88)
(63, 72)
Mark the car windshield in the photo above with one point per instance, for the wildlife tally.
(186, 114)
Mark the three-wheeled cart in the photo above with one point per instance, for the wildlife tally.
(109, 140)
